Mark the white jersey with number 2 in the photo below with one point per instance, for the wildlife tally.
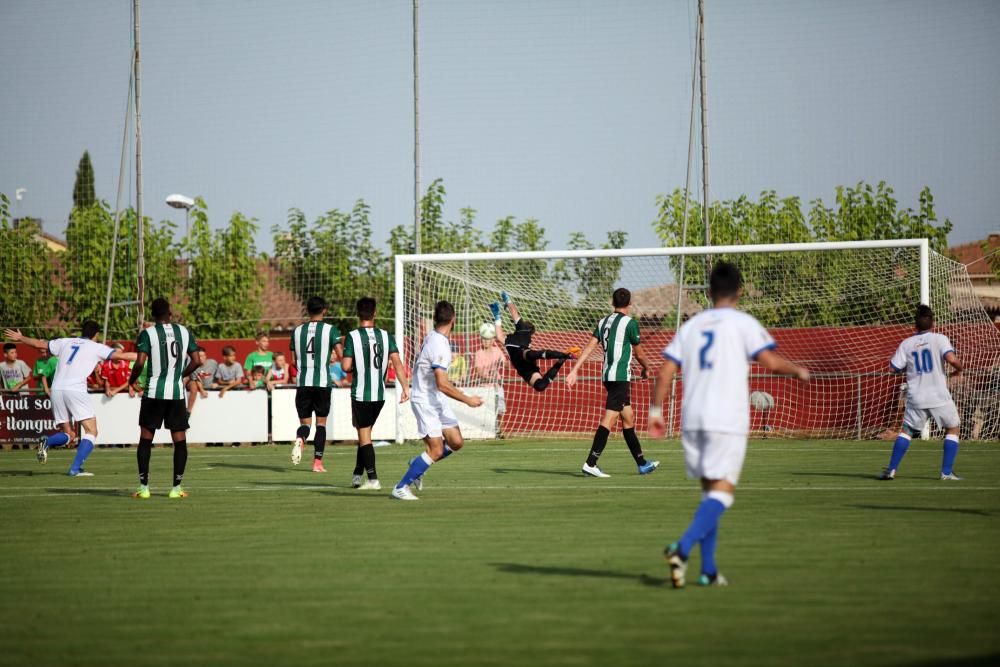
(922, 357)
(714, 350)
(77, 359)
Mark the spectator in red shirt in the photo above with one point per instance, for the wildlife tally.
(114, 374)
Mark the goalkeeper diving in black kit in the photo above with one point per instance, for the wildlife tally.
(518, 345)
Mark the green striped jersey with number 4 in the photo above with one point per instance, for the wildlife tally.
(313, 344)
(169, 347)
(617, 333)
(370, 347)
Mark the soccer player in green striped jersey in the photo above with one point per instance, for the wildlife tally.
(312, 346)
(168, 348)
(368, 351)
(618, 336)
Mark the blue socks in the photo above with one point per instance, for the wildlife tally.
(57, 440)
(448, 451)
(417, 468)
(950, 452)
(705, 521)
(82, 452)
(899, 450)
(708, 565)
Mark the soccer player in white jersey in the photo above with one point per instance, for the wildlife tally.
(715, 348)
(311, 345)
(436, 423)
(77, 358)
(169, 349)
(618, 336)
(368, 351)
(923, 357)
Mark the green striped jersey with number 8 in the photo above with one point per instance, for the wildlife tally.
(617, 333)
(169, 347)
(313, 344)
(370, 348)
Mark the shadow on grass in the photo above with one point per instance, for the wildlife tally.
(354, 493)
(90, 492)
(903, 508)
(562, 473)
(855, 475)
(315, 486)
(27, 473)
(971, 661)
(520, 568)
(248, 466)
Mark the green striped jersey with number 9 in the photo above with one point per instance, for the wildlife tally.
(168, 347)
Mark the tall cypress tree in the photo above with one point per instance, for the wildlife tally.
(83, 188)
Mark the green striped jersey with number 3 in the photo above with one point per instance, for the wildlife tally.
(169, 347)
(370, 348)
(617, 333)
(313, 344)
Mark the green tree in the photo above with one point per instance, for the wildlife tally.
(86, 263)
(26, 303)
(336, 258)
(224, 286)
(83, 187)
(814, 288)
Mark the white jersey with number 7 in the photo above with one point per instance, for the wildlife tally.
(714, 350)
(77, 358)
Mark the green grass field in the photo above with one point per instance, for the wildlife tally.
(510, 558)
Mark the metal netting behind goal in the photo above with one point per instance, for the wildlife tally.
(839, 309)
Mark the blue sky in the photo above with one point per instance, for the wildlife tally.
(575, 113)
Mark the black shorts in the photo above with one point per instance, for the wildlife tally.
(364, 414)
(524, 368)
(312, 400)
(157, 412)
(618, 395)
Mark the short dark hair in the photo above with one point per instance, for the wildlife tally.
(199, 349)
(160, 308)
(527, 326)
(9, 346)
(315, 305)
(262, 334)
(924, 318)
(227, 350)
(725, 281)
(621, 298)
(444, 313)
(366, 308)
(89, 329)
(279, 353)
(257, 369)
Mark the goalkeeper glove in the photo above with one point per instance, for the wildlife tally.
(506, 299)
(495, 309)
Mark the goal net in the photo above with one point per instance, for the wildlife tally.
(840, 309)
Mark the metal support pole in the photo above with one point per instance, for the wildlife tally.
(859, 407)
(416, 126)
(703, 67)
(140, 226)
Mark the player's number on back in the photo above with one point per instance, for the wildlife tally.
(310, 347)
(923, 361)
(703, 361)
(175, 349)
(75, 348)
(377, 352)
(604, 338)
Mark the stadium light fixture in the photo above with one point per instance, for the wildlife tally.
(184, 202)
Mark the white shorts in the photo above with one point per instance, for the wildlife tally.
(432, 418)
(68, 403)
(501, 402)
(711, 455)
(945, 415)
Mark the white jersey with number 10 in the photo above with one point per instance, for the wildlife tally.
(714, 350)
(922, 357)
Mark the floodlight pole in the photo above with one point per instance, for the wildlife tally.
(706, 216)
(140, 227)
(416, 126)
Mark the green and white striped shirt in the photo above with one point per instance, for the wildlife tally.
(617, 333)
(370, 348)
(169, 347)
(312, 344)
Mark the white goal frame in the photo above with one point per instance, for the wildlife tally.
(401, 260)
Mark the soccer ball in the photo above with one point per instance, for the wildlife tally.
(761, 400)
(487, 331)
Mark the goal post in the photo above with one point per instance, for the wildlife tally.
(840, 308)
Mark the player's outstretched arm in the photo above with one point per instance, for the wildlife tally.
(16, 335)
(954, 362)
(401, 378)
(657, 425)
(584, 354)
(776, 363)
(119, 355)
(445, 386)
